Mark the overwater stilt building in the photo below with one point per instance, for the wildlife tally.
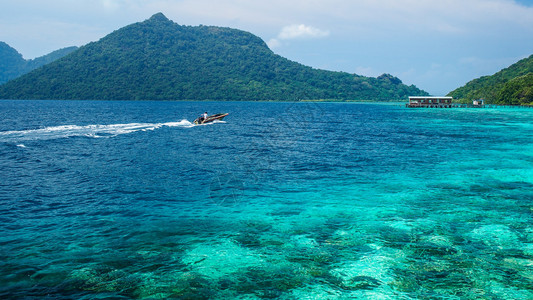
(426, 101)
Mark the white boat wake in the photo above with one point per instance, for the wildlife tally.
(93, 131)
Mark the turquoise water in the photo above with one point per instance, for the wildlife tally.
(280, 200)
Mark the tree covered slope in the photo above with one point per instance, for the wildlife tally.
(160, 60)
(512, 85)
(13, 65)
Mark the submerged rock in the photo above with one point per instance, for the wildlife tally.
(496, 235)
(370, 271)
(218, 260)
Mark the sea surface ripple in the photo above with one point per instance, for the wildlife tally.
(111, 199)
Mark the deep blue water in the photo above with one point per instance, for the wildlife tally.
(280, 200)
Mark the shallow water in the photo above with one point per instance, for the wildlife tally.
(280, 200)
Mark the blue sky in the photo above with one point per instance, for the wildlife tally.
(436, 45)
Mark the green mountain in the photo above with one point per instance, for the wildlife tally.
(13, 65)
(160, 60)
(512, 85)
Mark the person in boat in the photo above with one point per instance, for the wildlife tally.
(203, 117)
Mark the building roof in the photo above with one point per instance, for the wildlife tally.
(428, 97)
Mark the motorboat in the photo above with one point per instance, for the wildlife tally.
(210, 119)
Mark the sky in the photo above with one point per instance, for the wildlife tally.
(436, 45)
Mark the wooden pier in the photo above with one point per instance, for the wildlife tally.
(446, 102)
(459, 105)
(453, 105)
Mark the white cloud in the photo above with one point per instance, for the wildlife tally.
(297, 31)
(301, 31)
(110, 5)
(274, 43)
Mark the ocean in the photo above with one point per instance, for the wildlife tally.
(131, 200)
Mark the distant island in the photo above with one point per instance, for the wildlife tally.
(13, 65)
(160, 60)
(510, 86)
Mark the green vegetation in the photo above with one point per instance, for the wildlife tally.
(517, 91)
(160, 60)
(510, 86)
(13, 65)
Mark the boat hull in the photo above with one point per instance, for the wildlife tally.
(210, 118)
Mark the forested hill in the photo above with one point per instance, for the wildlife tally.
(160, 60)
(512, 85)
(13, 65)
